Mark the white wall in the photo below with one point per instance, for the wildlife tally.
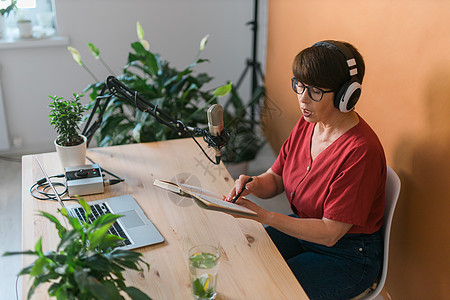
(173, 28)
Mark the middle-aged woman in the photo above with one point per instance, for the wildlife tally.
(333, 170)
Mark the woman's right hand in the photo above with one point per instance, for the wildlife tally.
(242, 183)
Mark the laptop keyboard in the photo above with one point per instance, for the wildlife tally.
(97, 211)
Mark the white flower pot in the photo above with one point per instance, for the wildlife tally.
(72, 156)
(25, 29)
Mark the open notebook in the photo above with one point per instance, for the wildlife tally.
(204, 198)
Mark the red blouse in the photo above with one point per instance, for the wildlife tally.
(344, 183)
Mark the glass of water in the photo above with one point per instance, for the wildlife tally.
(203, 268)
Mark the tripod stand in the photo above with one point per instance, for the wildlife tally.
(252, 64)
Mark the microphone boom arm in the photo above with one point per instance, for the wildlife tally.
(116, 87)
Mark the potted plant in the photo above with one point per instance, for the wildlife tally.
(86, 263)
(65, 115)
(179, 93)
(4, 12)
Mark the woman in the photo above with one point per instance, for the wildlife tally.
(333, 170)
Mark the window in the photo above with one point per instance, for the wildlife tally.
(30, 19)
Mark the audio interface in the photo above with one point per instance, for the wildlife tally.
(84, 180)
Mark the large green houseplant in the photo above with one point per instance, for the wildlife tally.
(87, 263)
(179, 93)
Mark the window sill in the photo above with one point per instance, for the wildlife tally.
(53, 41)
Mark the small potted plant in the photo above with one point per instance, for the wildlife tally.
(87, 263)
(65, 115)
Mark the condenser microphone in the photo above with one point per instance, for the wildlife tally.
(215, 124)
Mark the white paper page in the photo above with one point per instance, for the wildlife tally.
(214, 198)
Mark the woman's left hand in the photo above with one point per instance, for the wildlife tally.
(261, 213)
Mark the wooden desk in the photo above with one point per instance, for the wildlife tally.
(250, 267)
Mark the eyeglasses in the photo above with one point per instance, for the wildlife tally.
(314, 93)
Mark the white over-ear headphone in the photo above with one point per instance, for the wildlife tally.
(347, 96)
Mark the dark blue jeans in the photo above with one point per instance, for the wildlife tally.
(342, 271)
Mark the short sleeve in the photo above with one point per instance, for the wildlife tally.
(278, 165)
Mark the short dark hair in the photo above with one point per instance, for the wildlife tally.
(324, 66)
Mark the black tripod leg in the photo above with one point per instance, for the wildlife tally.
(259, 71)
(243, 75)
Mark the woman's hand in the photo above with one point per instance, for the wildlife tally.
(261, 216)
(242, 183)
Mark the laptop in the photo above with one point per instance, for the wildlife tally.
(136, 229)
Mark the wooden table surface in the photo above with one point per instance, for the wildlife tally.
(250, 266)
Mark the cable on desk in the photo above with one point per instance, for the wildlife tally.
(39, 189)
(110, 181)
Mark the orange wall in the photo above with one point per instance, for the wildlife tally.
(406, 99)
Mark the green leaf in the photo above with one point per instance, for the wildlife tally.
(36, 283)
(203, 260)
(26, 270)
(223, 90)
(100, 290)
(54, 220)
(136, 294)
(85, 206)
(109, 242)
(9, 253)
(106, 219)
(68, 238)
(82, 277)
(99, 229)
(94, 50)
(96, 237)
(53, 289)
(38, 247)
(39, 265)
(145, 57)
(99, 263)
(198, 288)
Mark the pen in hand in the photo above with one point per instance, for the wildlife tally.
(240, 193)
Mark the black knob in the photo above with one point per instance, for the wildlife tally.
(81, 173)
